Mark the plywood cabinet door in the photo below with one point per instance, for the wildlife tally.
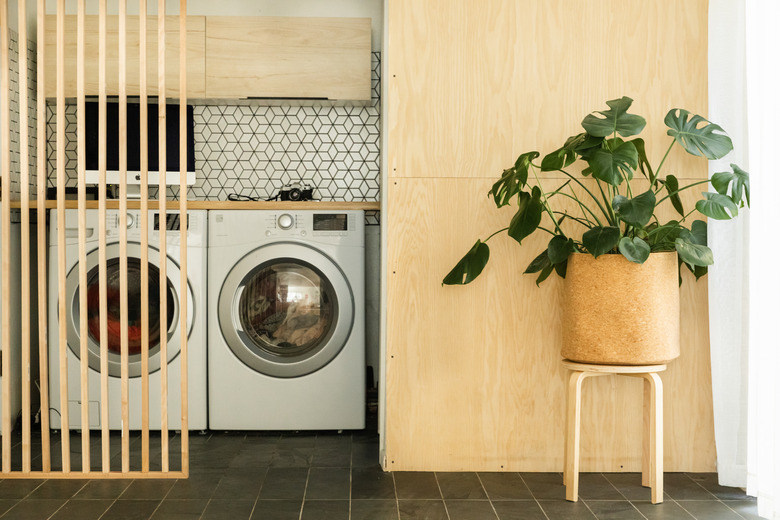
(196, 39)
(281, 57)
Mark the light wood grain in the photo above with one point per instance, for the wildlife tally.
(144, 163)
(195, 58)
(474, 380)
(5, 229)
(184, 353)
(163, 193)
(42, 181)
(139, 475)
(227, 205)
(61, 253)
(287, 57)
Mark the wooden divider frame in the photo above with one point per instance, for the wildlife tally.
(86, 470)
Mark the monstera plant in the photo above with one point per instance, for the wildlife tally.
(611, 215)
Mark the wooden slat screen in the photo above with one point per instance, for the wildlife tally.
(68, 382)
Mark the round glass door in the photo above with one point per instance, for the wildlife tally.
(286, 310)
(135, 310)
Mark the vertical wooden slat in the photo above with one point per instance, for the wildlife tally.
(6, 229)
(62, 315)
(24, 184)
(143, 123)
(43, 323)
(123, 235)
(183, 233)
(163, 192)
(82, 218)
(102, 274)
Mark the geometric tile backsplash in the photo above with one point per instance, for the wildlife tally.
(255, 150)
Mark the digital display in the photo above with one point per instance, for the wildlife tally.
(172, 222)
(330, 222)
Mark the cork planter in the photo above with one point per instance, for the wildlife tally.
(616, 312)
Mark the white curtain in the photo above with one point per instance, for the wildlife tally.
(745, 282)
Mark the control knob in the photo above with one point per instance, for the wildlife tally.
(285, 221)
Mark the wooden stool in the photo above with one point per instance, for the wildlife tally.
(653, 451)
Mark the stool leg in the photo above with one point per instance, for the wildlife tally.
(647, 428)
(572, 456)
(656, 456)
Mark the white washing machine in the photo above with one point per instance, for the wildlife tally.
(197, 255)
(14, 309)
(286, 320)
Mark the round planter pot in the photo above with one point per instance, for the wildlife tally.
(616, 312)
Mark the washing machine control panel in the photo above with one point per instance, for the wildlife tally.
(309, 224)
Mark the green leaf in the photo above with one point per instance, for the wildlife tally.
(612, 166)
(470, 266)
(512, 180)
(616, 119)
(538, 263)
(583, 144)
(635, 250)
(707, 140)
(699, 232)
(644, 163)
(665, 234)
(559, 249)
(637, 211)
(672, 185)
(528, 216)
(717, 206)
(558, 160)
(600, 239)
(560, 268)
(693, 254)
(544, 274)
(741, 183)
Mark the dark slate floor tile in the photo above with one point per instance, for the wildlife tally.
(416, 485)
(325, 510)
(680, 486)
(218, 509)
(328, 483)
(460, 486)
(334, 441)
(630, 485)
(238, 485)
(300, 441)
(196, 486)
(291, 458)
(374, 510)
(58, 488)
(82, 509)
(709, 481)
(519, 510)
(470, 510)
(180, 510)
(563, 510)
(33, 509)
(708, 510)
(254, 457)
(595, 486)
(131, 510)
(667, 510)
(148, 489)
(103, 489)
(505, 486)
(419, 509)
(284, 484)
(18, 488)
(746, 508)
(6, 504)
(614, 510)
(335, 457)
(372, 483)
(365, 455)
(545, 486)
(277, 510)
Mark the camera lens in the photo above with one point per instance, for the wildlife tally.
(295, 194)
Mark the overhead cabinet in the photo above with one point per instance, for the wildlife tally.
(284, 57)
(196, 40)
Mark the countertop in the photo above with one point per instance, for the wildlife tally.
(173, 205)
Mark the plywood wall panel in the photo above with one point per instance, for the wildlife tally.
(474, 380)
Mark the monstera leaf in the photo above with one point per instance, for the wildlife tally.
(635, 250)
(528, 216)
(614, 165)
(693, 254)
(512, 180)
(717, 206)
(614, 120)
(741, 184)
(600, 240)
(470, 266)
(697, 135)
(636, 212)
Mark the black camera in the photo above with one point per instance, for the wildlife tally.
(296, 192)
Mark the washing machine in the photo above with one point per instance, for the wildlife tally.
(197, 255)
(14, 309)
(286, 320)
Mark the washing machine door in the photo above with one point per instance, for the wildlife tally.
(286, 309)
(134, 310)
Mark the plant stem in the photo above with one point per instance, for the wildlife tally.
(595, 199)
(496, 233)
(658, 170)
(687, 215)
(611, 219)
(585, 222)
(582, 206)
(681, 189)
(545, 202)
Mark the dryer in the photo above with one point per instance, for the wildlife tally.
(196, 321)
(286, 320)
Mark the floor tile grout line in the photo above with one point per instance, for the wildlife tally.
(683, 508)
(492, 506)
(538, 504)
(305, 489)
(351, 442)
(438, 486)
(395, 493)
(622, 495)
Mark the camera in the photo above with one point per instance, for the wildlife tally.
(296, 192)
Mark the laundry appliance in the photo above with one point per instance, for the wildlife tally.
(286, 320)
(196, 321)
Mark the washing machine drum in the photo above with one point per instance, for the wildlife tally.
(134, 309)
(286, 310)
